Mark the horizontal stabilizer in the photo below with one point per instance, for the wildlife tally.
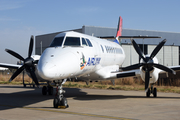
(129, 37)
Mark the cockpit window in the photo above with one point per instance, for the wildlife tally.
(72, 41)
(57, 41)
(84, 42)
(89, 43)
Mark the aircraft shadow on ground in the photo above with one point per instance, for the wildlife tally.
(87, 96)
(28, 97)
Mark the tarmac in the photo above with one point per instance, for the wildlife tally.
(19, 103)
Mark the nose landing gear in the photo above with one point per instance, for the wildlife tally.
(151, 91)
(60, 101)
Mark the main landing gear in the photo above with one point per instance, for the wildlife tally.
(60, 101)
(48, 89)
(151, 90)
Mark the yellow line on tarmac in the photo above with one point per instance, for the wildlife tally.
(67, 112)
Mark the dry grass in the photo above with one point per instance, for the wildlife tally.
(5, 77)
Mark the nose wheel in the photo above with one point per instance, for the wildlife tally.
(151, 91)
(60, 101)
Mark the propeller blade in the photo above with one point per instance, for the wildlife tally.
(18, 71)
(147, 79)
(14, 54)
(162, 67)
(28, 62)
(157, 49)
(138, 50)
(132, 67)
(34, 78)
(31, 46)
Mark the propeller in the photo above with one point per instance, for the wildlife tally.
(28, 62)
(148, 64)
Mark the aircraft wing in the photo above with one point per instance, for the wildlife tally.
(175, 68)
(123, 74)
(136, 72)
(10, 65)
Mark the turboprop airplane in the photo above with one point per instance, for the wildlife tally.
(83, 57)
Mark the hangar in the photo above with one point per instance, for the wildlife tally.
(168, 55)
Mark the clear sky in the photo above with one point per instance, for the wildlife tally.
(19, 19)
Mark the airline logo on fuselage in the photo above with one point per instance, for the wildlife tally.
(83, 62)
(93, 61)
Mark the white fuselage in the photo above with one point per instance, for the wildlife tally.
(69, 60)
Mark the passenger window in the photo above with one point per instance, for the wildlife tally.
(72, 41)
(106, 48)
(89, 43)
(84, 42)
(121, 51)
(102, 48)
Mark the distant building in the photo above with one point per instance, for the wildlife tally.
(168, 55)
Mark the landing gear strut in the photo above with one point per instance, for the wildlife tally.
(60, 101)
(151, 90)
(48, 89)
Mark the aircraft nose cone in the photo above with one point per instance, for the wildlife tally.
(60, 66)
(47, 70)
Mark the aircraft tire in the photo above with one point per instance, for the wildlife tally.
(56, 102)
(148, 93)
(155, 92)
(50, 90)
(44, 90)
(64, 102)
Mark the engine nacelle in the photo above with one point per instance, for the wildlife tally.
(154, 72)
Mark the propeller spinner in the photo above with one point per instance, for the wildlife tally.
(28, 62)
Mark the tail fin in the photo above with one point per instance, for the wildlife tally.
(119, 30)
(119, 27)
